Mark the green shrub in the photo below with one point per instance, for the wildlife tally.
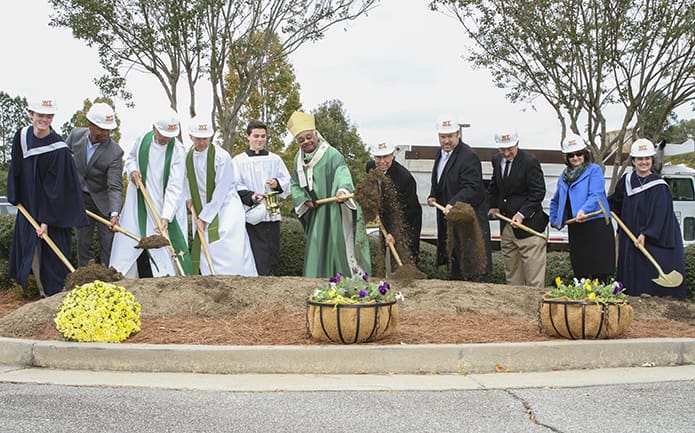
(428, 260)
(497, 274)
(6, 233)
(291, 247)
(558, 265)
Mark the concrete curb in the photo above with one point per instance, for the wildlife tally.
(350, 359)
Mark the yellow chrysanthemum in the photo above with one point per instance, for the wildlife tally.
(98, 312)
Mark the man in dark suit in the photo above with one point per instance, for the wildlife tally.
(406, 198)
(516, 191)
(457, 177)
(99, 162)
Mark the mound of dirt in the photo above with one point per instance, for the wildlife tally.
(272, 310)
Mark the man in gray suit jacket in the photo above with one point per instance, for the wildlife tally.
(99, 162)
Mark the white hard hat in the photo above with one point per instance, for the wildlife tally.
(101, 115)
(168, 124)
(256, 214)
(201, 128)
(383, 149)
(506, 139)
(43, 106)
(642, 147)
(447, 125)
(573, 143)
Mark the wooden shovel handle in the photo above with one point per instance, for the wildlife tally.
(390, 244)
(589, 215)
(45, 238)
(438, 206)
(108, 223)
(203, 242)
(332, 199)
(521, 226)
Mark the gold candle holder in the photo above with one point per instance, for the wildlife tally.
(271, 203)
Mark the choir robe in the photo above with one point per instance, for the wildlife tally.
(645, 206)
(43, 178)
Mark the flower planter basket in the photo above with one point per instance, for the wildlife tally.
(568, 318)
(351, 323)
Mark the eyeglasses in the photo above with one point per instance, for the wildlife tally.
(575, 154)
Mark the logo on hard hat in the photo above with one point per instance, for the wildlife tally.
(571, 143)
(506, 137)
(381, 146)
(171, 127)
(642, 147)
(202, 127)
(47, 103)
(446, 123)
(108, 118)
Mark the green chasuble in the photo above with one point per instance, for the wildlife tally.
(325, 228)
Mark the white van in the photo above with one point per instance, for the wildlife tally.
(419, 159)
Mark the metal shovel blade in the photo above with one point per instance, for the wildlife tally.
(672, 279)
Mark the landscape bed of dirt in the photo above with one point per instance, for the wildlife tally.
(228, 310)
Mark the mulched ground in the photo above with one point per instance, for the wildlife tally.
(275, 325)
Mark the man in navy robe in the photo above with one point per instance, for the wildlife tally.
(43, 178)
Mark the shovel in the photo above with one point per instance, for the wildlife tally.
(46, 239)
(203, 242)
(332, 199)
(152, 241)
(591, 214)
(158, 223)
(672, 279)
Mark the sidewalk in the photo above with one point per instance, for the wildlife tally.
(435, 359)
(333, 382)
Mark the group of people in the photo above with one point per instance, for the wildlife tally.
(59, 182)
(515, 193)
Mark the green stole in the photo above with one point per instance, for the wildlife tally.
(175, 232)
(213, 227)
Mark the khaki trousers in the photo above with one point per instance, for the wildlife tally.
(524, 259)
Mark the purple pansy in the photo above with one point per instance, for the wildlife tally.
(618, 287)
(363, 293)
(365, 276)
(384, 288)
(337, 277)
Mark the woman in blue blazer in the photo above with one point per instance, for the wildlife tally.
(579, 189)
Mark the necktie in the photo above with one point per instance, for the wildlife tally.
(507, 163)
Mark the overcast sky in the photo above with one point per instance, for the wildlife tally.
(396, 71)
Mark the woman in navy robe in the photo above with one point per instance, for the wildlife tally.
(43, 178)
(642, 199)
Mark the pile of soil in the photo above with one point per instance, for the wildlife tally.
(232, 310)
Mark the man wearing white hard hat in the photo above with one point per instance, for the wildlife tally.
(405, 200)
(262, 171)
(158, 161)
(457, 176)
(99, 161)
(212, 180)
(517, 190)
(580, 189)
(44, 180)
(336, 238)
(642, 200)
